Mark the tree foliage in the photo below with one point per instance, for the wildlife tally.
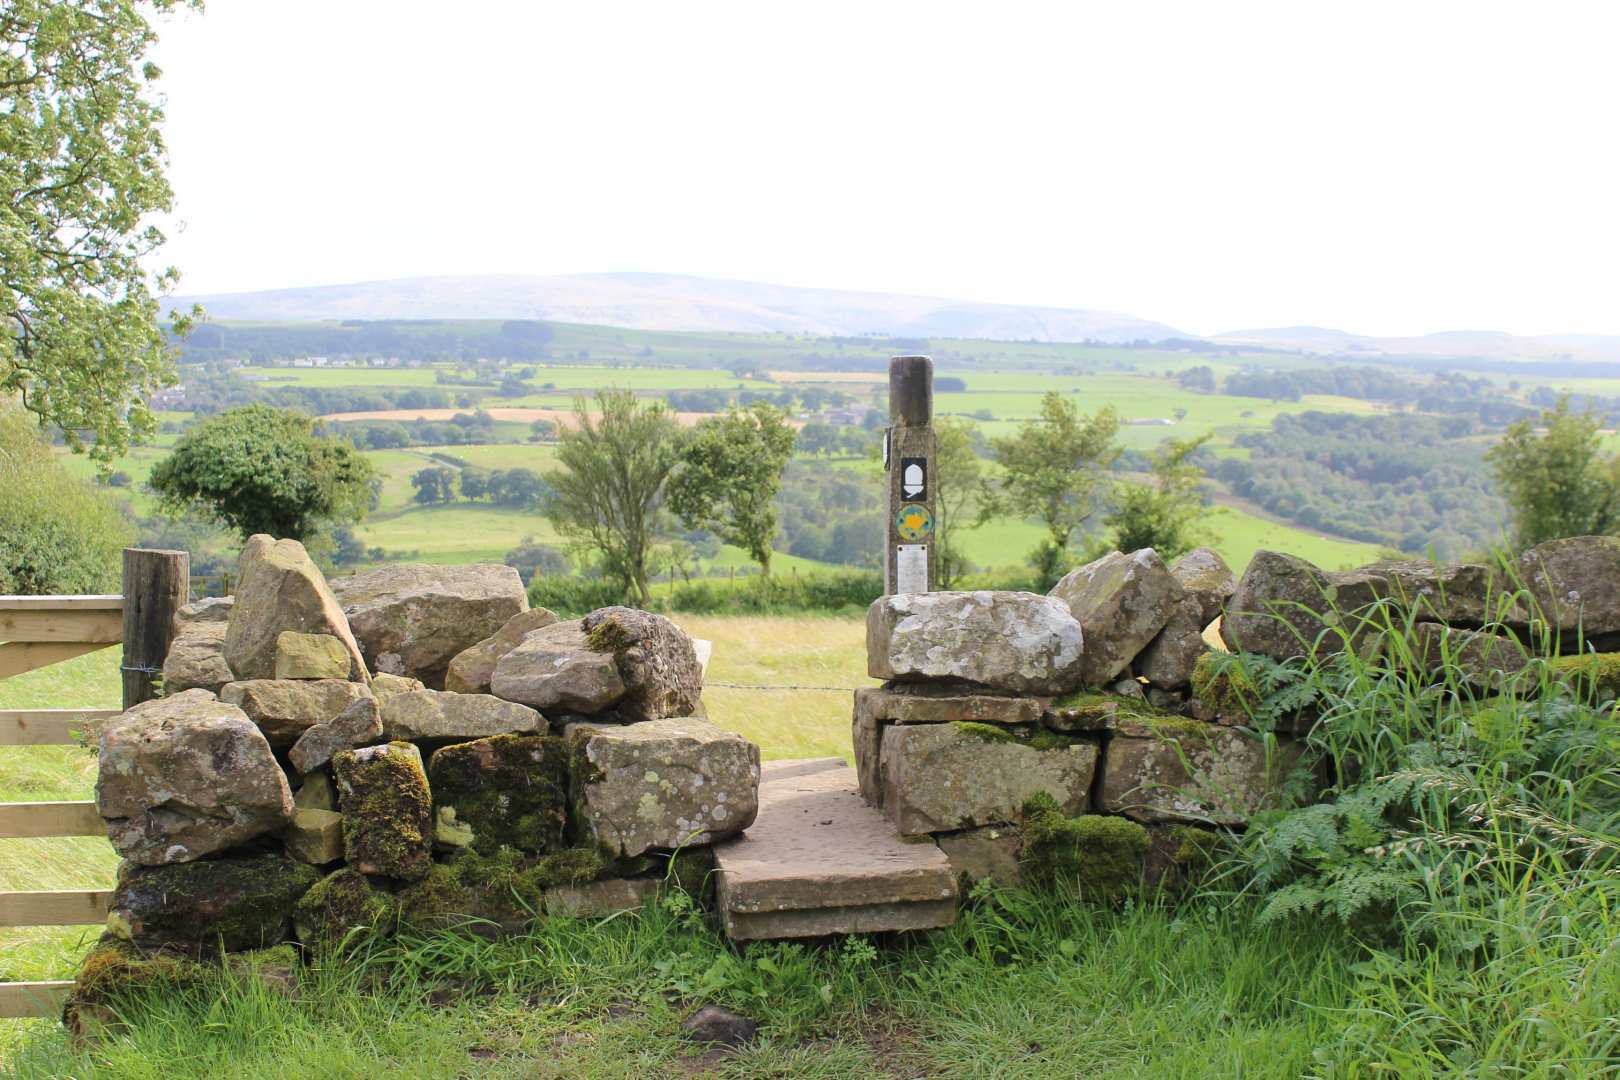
(81, 172)
(730, 471)
(1556, 477)
(607, 494)
(58, 534)
(264, 470)
(1161, 515)
(434, 484)
(1052, 468)
(958, 476)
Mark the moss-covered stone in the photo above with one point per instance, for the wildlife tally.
(1593, 673)
(509, 790)
(983, 732)
(499, 892)
(201, 907)
(387, 810)
(1222, 686)
(116, 971)
(341, 906)
(691, 870)
(1180, 855)
(1101, 856)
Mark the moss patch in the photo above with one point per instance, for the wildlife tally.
(211, 904)
(1594, 673)
(1221, 684)
(1014, 736)
(989, 733)
(509, 790)
(691, 870)
(115, 972)
(340, 906)
(1093, 702)
(387, 810)
(1100, 855)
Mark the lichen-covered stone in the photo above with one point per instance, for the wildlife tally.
(201, 907)
(944, 777)
(285, 708)
(471, 669)
(928, 704)
(1102, 857)
(1169, 659)
(1205, 577)
(196, 659)
(661, 784)
(866, 737)
(360, 724)
(341, 907)
(1187, 771)
(1004, 640)
(314, 837)
(185, 776)
(655, 658)
(279, 588)
(413, 620)
(1285, 607)
(553, 670)
(596, 899)
(435, 715)
(310, 656)
(1575, 584)
(987, 853)
(383, 685)
(387, 811)
(1121, 602)
(508, 790)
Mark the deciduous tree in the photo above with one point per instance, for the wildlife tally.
(1051, 470)
(606, 495)
(730, 471)
(81, 174)
(1160, 514)
(958, 478)
(260, 469)
(1556, 478)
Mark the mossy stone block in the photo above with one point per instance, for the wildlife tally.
(507, 790)
(387, 810)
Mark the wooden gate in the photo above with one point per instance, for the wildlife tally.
(36, 631)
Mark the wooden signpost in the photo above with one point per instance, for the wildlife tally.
(908, 458)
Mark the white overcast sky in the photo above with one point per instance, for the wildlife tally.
(1386, 168)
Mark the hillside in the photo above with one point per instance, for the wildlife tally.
(680, 302)
(1473, 344)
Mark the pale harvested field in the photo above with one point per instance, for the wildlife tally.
(515, 414)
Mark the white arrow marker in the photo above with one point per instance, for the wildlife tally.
(911, 482)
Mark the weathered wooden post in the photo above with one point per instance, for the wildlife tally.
(156, 585)
(908, 457)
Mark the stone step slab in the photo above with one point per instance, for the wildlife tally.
(819, 861)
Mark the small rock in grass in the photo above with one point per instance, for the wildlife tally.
(715, 1026)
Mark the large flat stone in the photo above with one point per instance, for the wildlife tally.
(444, 715)
(1186, 771)
(944, 777)
(1016, 641)
(413, 620)
(819, 861)
(924, 704)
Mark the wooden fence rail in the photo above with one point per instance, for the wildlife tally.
(36, 631)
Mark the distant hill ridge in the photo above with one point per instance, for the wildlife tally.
(646, 301)
(679, 302)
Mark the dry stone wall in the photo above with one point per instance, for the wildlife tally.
(305, 775)
(1001, 709)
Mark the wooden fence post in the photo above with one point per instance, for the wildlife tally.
(156, 585)
(909, 558)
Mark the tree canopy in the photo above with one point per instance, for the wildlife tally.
(81, 173)
(607, 492)
(1051, 470)
(1161, 514)
(1557, 480)
(264, 470)
(730, 471)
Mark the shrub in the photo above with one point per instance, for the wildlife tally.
(58, 534)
